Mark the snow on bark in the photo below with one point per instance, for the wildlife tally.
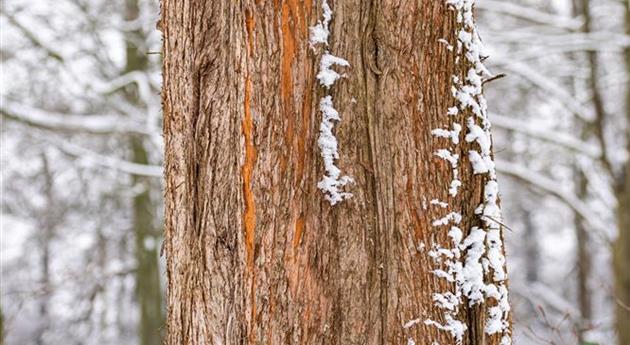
(327, 76)
(450, 134)
(453, 159)
(479, 254)
(333, 182)
(320, 32)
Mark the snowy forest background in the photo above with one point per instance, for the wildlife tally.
(81, 153)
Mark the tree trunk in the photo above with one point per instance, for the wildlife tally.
(255, 252)
(532, 247)
(148, 289)
(582, 262)
(47, 223)
(621, 255)
(1, 325)
(621, 258)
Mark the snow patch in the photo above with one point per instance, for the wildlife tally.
(452, 134)
(333, 182)
(327, 142)
(327, 76)
(320, 32)
(455, 327)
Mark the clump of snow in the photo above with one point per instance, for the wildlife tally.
(320, 32)
(454, 186)
(455, 327)
(439, 203)
(328, 146)
(482, 162)
(453, 159)
(448, 156)
(452, 217)
(452, 134)
(446, 44)
(333, 182)
(327, 76)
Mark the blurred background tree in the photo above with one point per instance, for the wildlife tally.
(81, 151)
(81, 155)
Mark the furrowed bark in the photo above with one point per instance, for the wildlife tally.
(255, 254)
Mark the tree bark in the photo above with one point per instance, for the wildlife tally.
(255, 254)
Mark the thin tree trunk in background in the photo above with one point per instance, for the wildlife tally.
(597, 128)
(583, 258)
(583, 263)
(1, 325)
(148, 291)
(532, 248)
(47, 224)
(145, 217)
(621, 255)
(255, 254)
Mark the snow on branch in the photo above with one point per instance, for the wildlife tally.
(604, 45)
(529, 14)
(574, 40)
(36, 41)
(562, 139)
(94, 124)
(140, 78)
(547, 85)
(113, 163)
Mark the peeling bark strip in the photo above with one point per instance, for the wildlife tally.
(254, 253)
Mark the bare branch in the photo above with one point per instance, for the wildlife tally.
(33, 38)
(529, 14)
(109, 162)
(549, 86)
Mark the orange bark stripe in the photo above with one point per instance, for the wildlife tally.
(250, 24)
(306, 116)
(299, 230)
(298, 14)
(286, 71)
(249, 217)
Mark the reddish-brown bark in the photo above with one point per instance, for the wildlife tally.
(255, 253)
